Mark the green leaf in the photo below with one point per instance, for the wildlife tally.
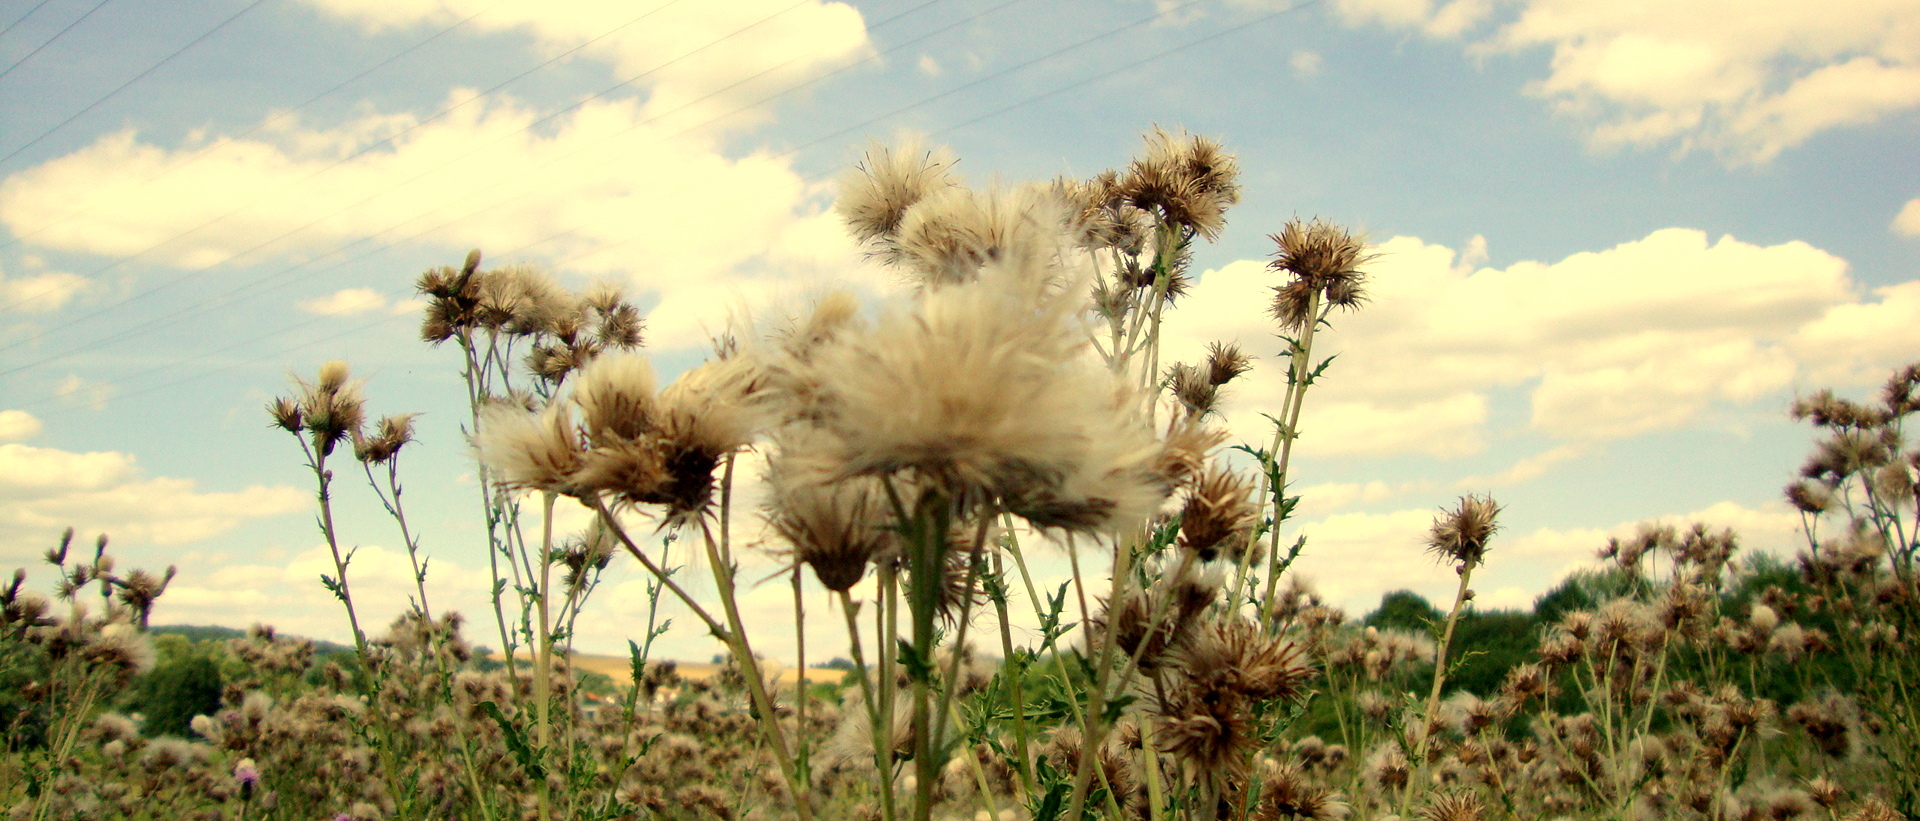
(918, 667)
(516, 743)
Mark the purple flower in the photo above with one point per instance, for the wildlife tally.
(246, 773)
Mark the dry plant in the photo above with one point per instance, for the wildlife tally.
(917, 451)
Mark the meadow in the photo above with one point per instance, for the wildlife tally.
(918, 452)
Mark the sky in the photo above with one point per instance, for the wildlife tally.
(1615, 237)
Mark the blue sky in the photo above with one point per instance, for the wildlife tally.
(1616, 238)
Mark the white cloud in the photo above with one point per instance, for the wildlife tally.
(40, 293)
(345, 302)
(1322, 499)
(1306, 63)
(1907, 222)
(1857, 343)
(16, 425)
(45, 490)
(1436, 19)
(288, 595)
(670, 213)
(684, 50)
(1527, 468)
(81, 392)
(1644, 336)
(1745, 78)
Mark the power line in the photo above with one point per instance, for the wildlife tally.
(335, 164)
(23, 18)
(136, 78)
(223, 141)
(989, 115)
(62, 33)
(166, 320)
(443, 165)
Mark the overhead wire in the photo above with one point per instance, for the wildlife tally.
(358, 328)
(125, 332)
(23, 18)
(136, 78)
(223, 141)
(62, 33)
(362, 151)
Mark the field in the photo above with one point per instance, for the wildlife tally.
(920, 453)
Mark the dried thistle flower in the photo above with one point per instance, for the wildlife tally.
(1185, 180)
(1386, 768)
(951, 235)
(1454, 805)
(876, 194)
(1287, 793)
(1194, 389)
(1462, 534)
(286, 414)
(982, 392)
(1236, 655)
(836, 528)
(1323, 261)
(390, 435)
(1220, 514)
(539, 451)
(1810, 497)
(330, 407)
(1226, 362)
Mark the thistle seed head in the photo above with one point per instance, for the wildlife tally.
(876, 194)
(1323, 262)
(1461, 535)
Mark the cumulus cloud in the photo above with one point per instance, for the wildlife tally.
(16, 425)
(1645, 336)
(681, 52)
(288, 595)
(356, 301)
(1306, 63)
(45, 490)
(1528, 467)
(1907, 222)
(604, 191)
(83, 393)
(1745, 79)
(40, 293)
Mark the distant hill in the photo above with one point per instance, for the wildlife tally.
(614, 667)
(207, 632)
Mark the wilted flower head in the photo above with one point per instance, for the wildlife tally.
(122, 647)
(876, 193)
(1220, 514)
(951, 235)
(1288, 793)
(1461, 535)
(329, 408)
(1194, 388)
(1235, 654)
(1323, 263)
(985, 391)
(390, 435)
(530, 450)
(1455, 805)
(1226, 362)
(835, 527)
(1186, 180)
